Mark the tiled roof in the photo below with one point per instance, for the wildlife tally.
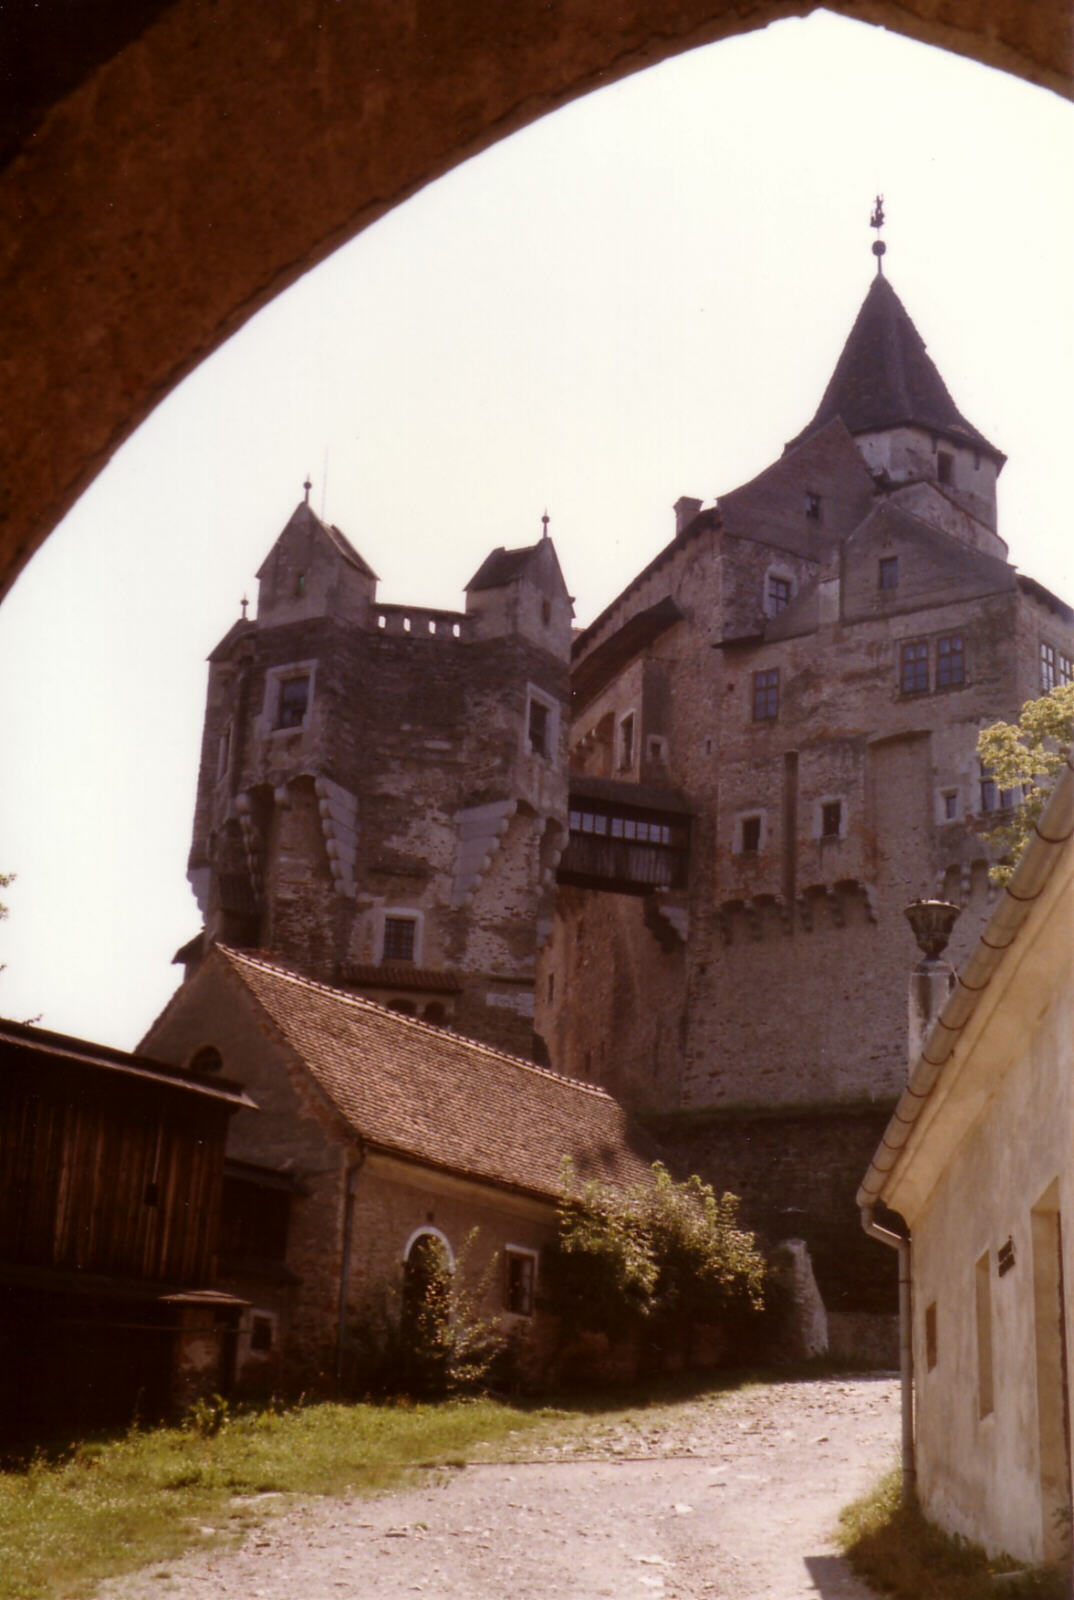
(500, 566)
(434, 1097)
(885, 378)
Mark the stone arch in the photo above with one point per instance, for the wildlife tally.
(147, 221)
(428, 1231)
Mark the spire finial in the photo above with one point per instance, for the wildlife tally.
(545, 520)
(308, 485)
(244, 603)
(877, 221)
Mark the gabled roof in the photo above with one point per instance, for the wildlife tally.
(501, 566)
(885, 378)
(304, 516)
(433, 1097)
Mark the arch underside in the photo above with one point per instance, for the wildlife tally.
(175, 171)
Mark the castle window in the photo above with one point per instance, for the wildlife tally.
(538, 729)
(945, 463)
(812, 506)
(831, 819)
(931, 1351)
(519, 1280)
(293, 702)
(546, 612)
(400, 938)
(989, 794)
(1066, 670)
(779, 594)
(750, 836)
(1047, 668)
(914, 666)
(888, 573)
(541, 724)
(949, 804)
(766, 695)
(223, 752)
(261, 1333)
(288, 696)
(300, 585)
(626, 742)
(950, 661)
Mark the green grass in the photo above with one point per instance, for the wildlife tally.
(901, 1554)
(110, 1506)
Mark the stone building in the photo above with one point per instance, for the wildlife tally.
(370, 1130)
(382, 790)
(772, 751)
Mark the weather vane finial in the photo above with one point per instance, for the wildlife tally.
(545, 520)
(877, 221)
(244, 603)
(308, 485)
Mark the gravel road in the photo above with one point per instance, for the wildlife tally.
(728, 1498)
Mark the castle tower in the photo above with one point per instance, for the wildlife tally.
(382, 794)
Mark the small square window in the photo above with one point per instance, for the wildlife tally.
(914, 666)
(812, 507)
(538, 727)
(779, 594)
(751, 835)
(888, 573)
(294, 702)
(831, 819)
(1047, 668)
(520, 1273)
(399, 938)
(950, 661)
(945, 466)
(300, 585)
(766, 695)
(950, 804)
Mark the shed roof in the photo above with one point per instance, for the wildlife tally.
(22, 1043)
(433, 1097)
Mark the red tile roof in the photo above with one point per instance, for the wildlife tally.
(431, 1096)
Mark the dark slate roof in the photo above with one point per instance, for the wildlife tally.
(431, 1096)
(398, 975)
(501, 566)
(885, 378)
(621, 792)
(590, 675)
(23, 1044)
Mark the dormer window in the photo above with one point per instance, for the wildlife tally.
(812, 506)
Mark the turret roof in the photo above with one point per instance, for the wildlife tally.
(305, 516)
(502, 566)
(885, 378)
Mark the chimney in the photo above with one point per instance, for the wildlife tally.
(932, 979)
(685, 509)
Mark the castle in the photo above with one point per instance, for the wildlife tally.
(685, 881)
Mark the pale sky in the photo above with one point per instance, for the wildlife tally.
(639, 297)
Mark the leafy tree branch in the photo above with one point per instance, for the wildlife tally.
(1023, 758)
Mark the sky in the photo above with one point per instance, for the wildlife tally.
(638, 297)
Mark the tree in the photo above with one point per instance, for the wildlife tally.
(1023, 759)
(659, 1258)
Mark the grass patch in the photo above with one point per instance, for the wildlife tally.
(896, 1550)
(109, 1506)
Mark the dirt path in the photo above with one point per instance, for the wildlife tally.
(729, 1499)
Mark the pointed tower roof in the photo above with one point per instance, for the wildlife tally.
(304, 517)
(885, 378)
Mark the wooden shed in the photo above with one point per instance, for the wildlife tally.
(111, 1170)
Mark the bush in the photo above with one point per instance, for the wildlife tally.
(660, 1259)
(424, 1338)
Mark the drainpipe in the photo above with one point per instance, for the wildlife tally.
(350, 1189)
(931, 982)
(906, 1349)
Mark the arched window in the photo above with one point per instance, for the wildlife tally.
(207, 1059)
